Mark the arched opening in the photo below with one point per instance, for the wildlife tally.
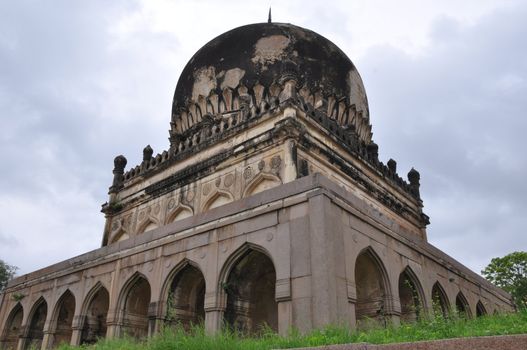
(149, 226)
(250, 288)
(13, 328)
(439, 301)
(411, 302)
(217, 200)
(94, 326)
(480, 309)
(36, 325)
(186, 297)
(64, 318)
(135, 309)
(371, 288)
(179, 214)
(261, 183)
(462, 307)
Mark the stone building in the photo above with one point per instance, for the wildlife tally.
(270, 206)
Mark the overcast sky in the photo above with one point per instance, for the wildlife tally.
(84, 81)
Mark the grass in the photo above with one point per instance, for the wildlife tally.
(437, 328)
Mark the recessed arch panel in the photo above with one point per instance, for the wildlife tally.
(95, 313)
(462, 306)
(37, 319)
(480, 309)
(63, 319)
(410, 296)
(372, 285)
(440, 303)
(249, 282)
(133, 306)
(185, 295)
(13, 327)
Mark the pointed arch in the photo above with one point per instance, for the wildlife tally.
(462, 306)
(148, 225)
(62, 319)
(248, 283)
(37, 318)
(218, 199)
(120, 235)
(260, 183)
(134, 301)
(179, 213)
(480, 309)
(183, 295)
(372, 287)
(440, 303)
(95, 312)
(13, 327)
(411, 296)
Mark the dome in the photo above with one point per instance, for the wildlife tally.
(265, 53)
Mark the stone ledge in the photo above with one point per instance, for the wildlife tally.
(501, 342)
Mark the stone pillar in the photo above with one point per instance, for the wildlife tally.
(285, 316)
(76, 329)
(214, 309)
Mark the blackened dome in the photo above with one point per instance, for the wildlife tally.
(263, 53)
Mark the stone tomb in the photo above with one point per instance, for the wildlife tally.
(270, 208)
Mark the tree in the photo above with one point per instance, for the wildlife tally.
(510, 273)
(6, 273)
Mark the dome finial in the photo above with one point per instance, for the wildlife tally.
(269, 18)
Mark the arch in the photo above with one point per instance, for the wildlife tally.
(121, 235)
(148, 225)
(462, 306)
(133, 306)
(180, 213)
(218, 199)
(37, 319)
(13, 327)
(440, 303)
(249, 281)
(260, 183)
(410, 296)
(62, 319)
(184, 293)
(372, 287)
(95, 312)
(480, 309)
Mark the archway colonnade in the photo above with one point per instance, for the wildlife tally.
(247, 293)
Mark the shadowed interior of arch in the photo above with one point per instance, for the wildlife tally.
(439, 300)
(63, 319)
(186, 298)
(480, 309)
(94, 326)
(462, 307)
(13, 327)
(250, 289)
(36, 326)
(135, 309)
(411, 305)
(371, 289)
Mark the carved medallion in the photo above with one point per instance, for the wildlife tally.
(157, 208)
(115, 225)
(276, 161)
(261, 165)
(218, 182)
(190, 195)
(141, 215)
(229, 180)
(171, 204)
(247, 173)
(206, 189)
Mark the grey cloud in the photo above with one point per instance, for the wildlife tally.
(457, 113)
